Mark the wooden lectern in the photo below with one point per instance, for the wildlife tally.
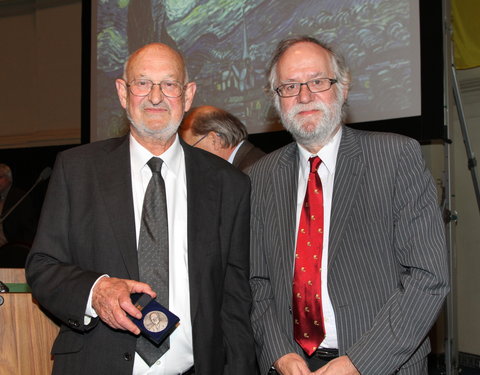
(26, 333)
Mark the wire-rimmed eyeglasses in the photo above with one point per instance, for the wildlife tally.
(142, 87)
(290, 89)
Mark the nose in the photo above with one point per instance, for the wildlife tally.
(156, 95)
(305, 95)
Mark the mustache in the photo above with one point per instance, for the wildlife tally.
(161, 105)
(314, 106)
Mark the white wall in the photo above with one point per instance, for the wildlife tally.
(466, 233)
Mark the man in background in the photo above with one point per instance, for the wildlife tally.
(146, 213)
(348, 256)
(220, 133)
(18, 223)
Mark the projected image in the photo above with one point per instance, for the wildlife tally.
(227, 44)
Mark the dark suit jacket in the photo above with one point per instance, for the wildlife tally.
(87, 229)
(387, 262)
(246, 155)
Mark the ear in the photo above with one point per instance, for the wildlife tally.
(122, 92)
(345, 94)
(214, 140)
(189, 94)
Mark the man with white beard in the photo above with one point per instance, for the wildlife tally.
(348, 258)
(146, 213)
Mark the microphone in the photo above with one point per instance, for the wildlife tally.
(45, 174)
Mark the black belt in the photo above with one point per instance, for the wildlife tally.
(326, 354)
(190, 371)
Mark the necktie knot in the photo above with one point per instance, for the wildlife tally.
(314, 164)
(155, 164)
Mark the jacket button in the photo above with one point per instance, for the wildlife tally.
(127, 356)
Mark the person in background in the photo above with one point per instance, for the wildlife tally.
(220, 133)
(18, 223)
(348, 255)
(146, 213)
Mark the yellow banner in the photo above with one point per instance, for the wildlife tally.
(466, 33)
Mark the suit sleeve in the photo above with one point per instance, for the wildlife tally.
(57, 283)
(271, 339)
(419, 247)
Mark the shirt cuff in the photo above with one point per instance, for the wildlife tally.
(90, 312)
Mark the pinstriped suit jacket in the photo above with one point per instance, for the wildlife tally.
(388, 273)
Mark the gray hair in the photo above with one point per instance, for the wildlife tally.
(227, 126)
(340, 68)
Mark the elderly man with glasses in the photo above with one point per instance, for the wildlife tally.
(147, 213)
(348, 258)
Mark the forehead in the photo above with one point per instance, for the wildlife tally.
(304, 60)
(156, 63)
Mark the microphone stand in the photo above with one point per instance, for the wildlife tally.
(43, 176)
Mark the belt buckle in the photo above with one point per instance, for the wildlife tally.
(326, 353)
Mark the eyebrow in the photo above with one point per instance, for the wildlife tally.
(310, 77)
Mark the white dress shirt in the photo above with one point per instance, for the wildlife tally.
(326, 171)
(179, 357)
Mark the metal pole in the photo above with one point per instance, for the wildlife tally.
(451, 350)
(472, 161)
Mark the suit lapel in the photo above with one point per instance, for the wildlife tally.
(114, 179)
(348, 174)
(285, 182)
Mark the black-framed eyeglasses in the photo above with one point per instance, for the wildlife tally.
(201, 139)
(290, 89)
(142, 87)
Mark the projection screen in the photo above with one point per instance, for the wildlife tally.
(227, 43)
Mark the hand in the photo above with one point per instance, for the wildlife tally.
(291, 364)
(111, 301)
(339, 366)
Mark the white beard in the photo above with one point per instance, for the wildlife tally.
(163, 134)
(322, 132)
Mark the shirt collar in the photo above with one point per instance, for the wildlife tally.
(171, 158)
(232, 155)
(328, 154)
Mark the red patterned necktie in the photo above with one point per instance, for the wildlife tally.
(309, 330)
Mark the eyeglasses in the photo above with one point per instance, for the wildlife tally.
(315, 85)
(142, 87)
(201, 139)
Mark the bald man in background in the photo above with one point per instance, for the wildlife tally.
(221, 133)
